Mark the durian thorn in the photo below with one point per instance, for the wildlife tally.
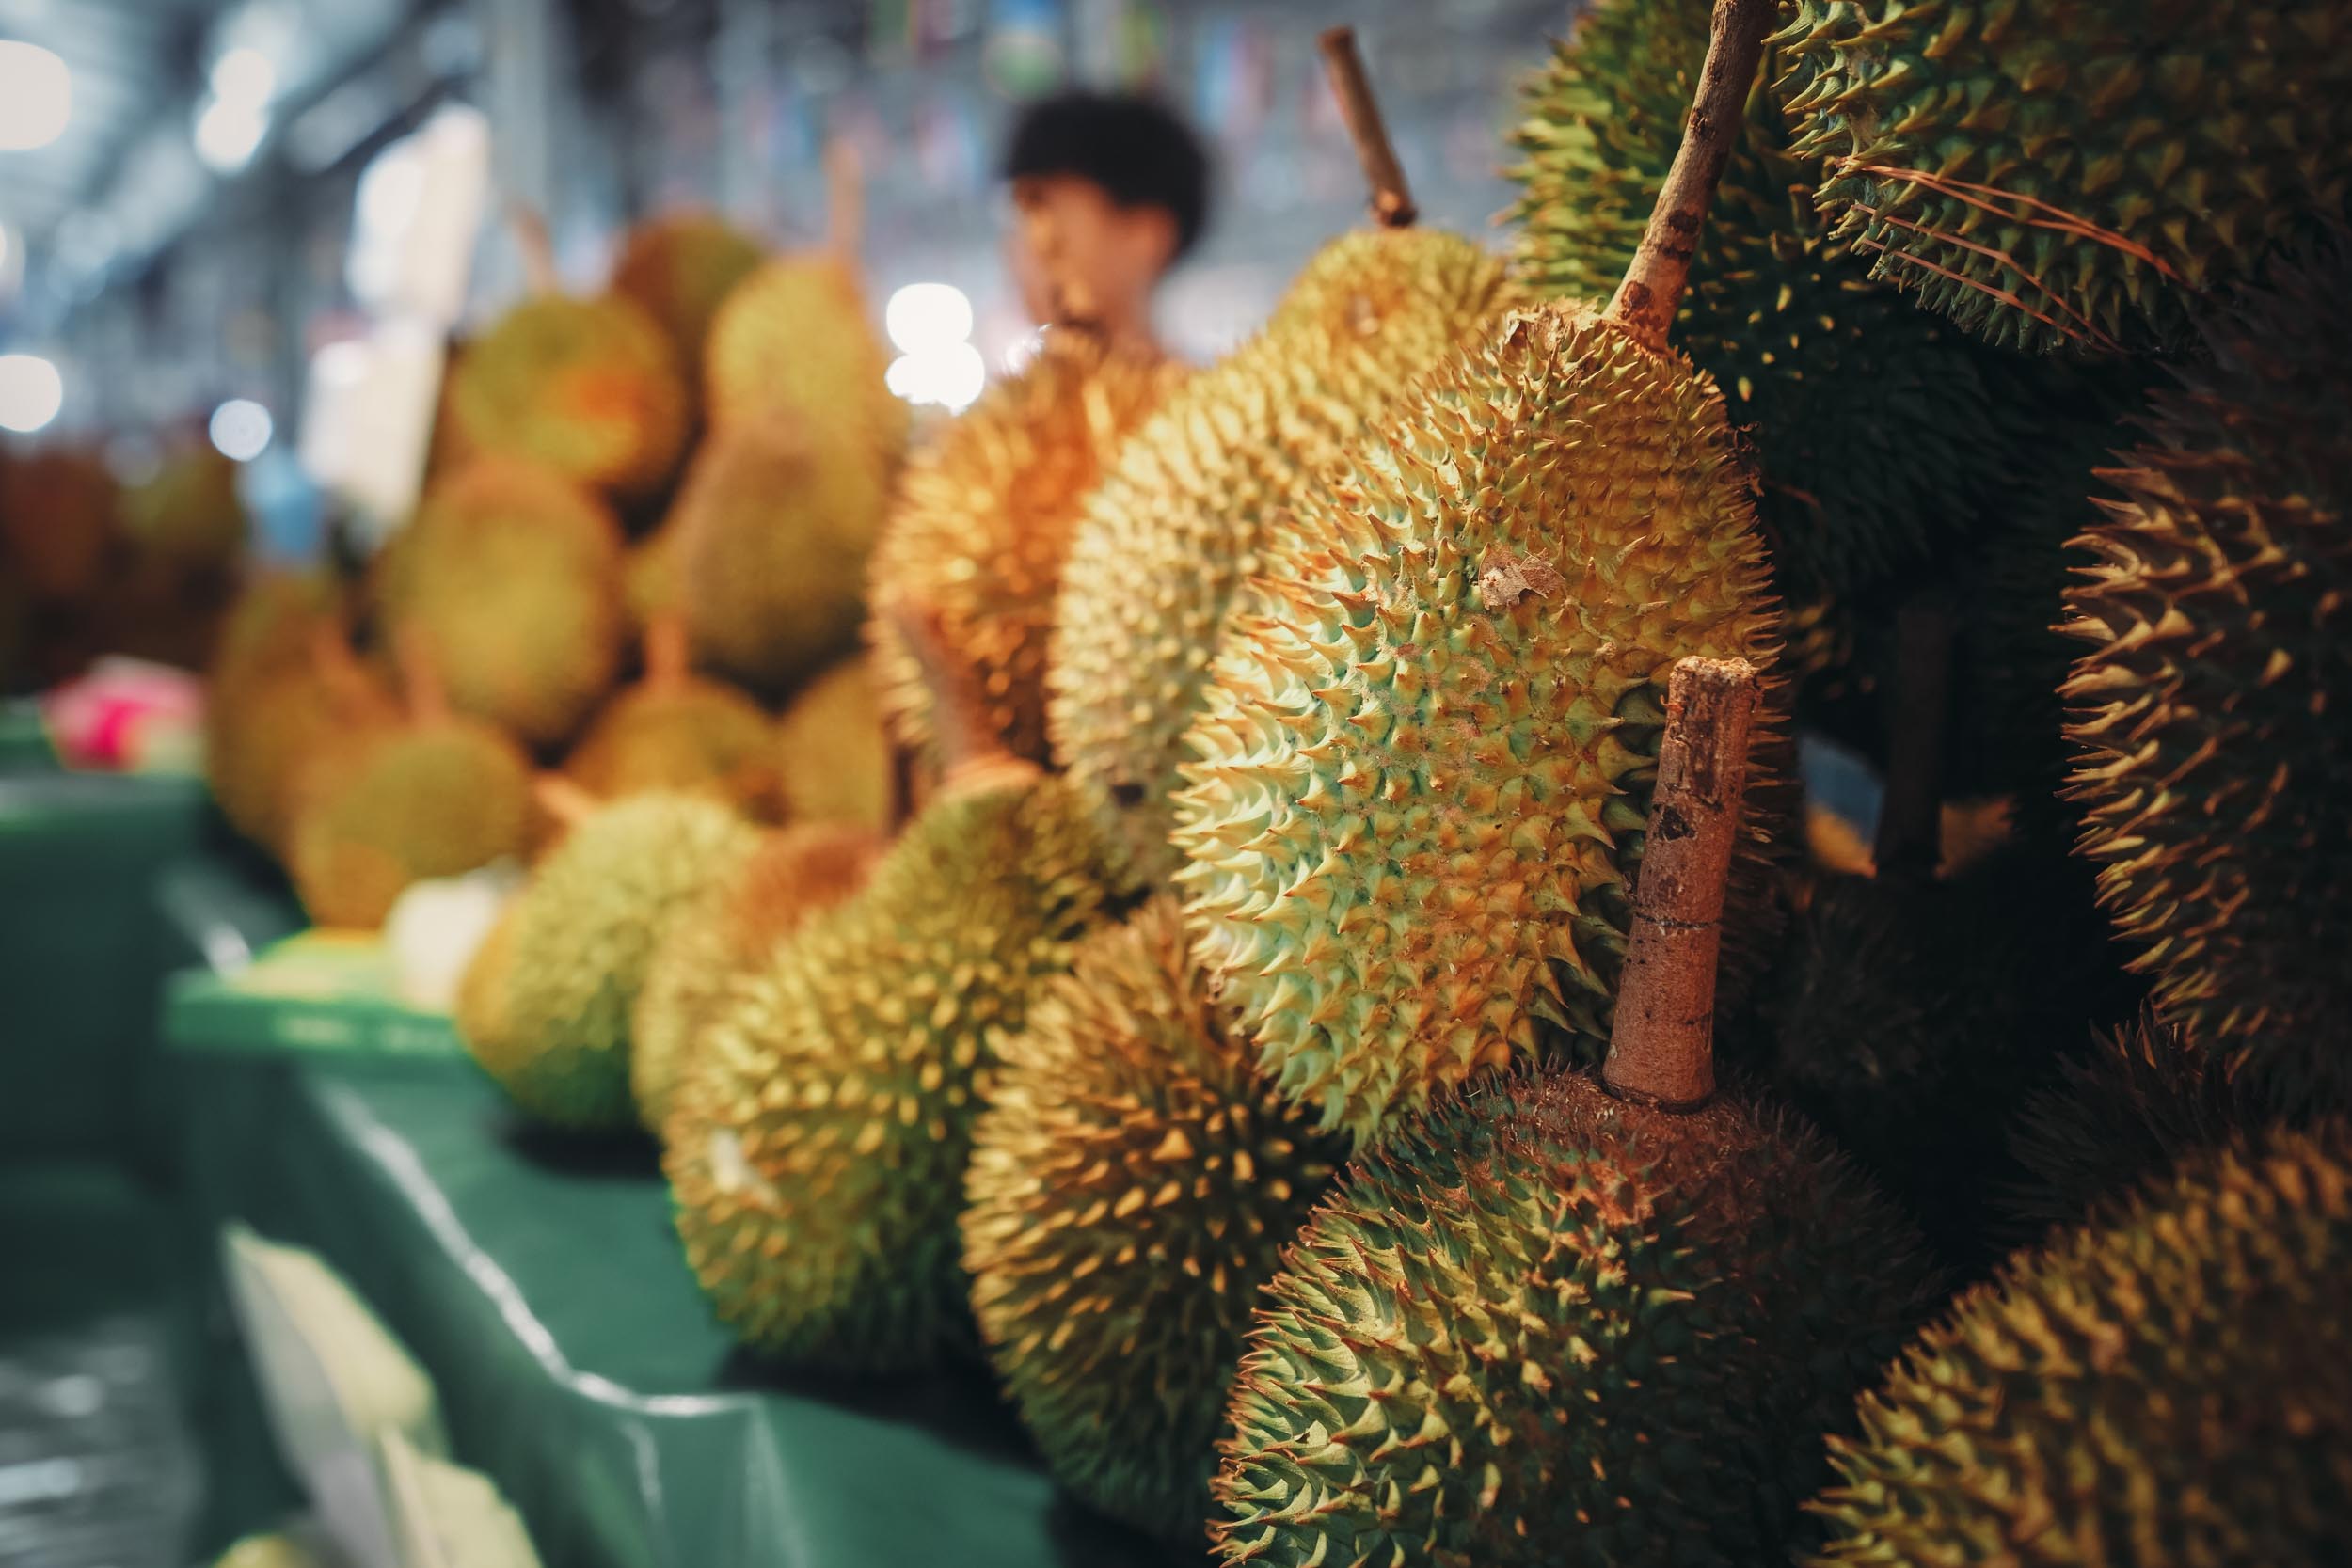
(1651, 292)
(563, 801)
(1343, 63)
(528, 226)
(1911, 808)
(420, 676)
(667, 662)
(1662, 1049)
(845, 202)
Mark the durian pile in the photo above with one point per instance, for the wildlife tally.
(1351, 801)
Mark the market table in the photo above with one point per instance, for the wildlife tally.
(538, 1280)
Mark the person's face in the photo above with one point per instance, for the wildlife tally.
(1067, 235)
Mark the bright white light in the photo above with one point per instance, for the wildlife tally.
(36, 97)
(241, 429)
(31, 392)
(245, 75)
(227, 132)
(925, 317)
(950, 376)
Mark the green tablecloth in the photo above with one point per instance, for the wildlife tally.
(538, 1280)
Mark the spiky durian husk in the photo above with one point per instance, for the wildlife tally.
(423, 800)
(771, 540)
(509, 577)
(57, 521)
(2214, 758)
(2070, 173)
(793, 347)
(679, 268)
(1183, 520)
(1876, 425)
(589, 388)
(483, 1014)
(817, 1146)
(832, 751)
(793, 874)
(1132, 1185)
(684, 734)
(982, 521)
(188, 514)
(1544, 1325)
(1425, 771)
(586, 929)
(2171, 1383)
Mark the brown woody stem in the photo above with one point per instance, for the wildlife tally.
(1911, 812)
(529, 229)
(1391, 198)
(419, 676)
(967, 741)
(1662, 1049)
(667, 662)
(1651, 292)
(563, 801)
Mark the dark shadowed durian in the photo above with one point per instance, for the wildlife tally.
(2214, 756)
(1132, 1185)
(2071, 172)
(2171, 1383)
(832, 751)
(679, 268)
(589, 388)
(1545, 1325)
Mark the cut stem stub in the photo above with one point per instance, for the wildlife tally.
(1662, 1049)
(1391, 198)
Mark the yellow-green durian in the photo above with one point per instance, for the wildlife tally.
(589, 388)
(793, 345)
(1171, 537)
(1134, 1183)
(832, 749)
(817, 1146)
(675, 730)
(679, 268)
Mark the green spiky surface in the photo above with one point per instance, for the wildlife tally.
(1423, 774)
(2070, 173)
(794, 873)
(509, 578)
(1132, 1185)
(1169, 540)
(816, 1148)
(771, 544)
(679, 268)
(2169, 1384)
(793, 347)
(419, 801)
(982, 524)
(682, 734)
(1547, 1326)
(2213, 756)
(586, 929)
(834, 751)
(589, 388)
(1877, 427)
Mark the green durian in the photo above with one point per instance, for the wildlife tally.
(982, 520)
(1423, 778)
(834, 751)
(2075, 173)
(1132, 1185)
(1546, 1325)
(2171, 1384)
(586, 929)
(676, 731)
(588, 387)
(2213, 758)
(509, 577)
(679, 268)
(817, 1146)
(793, 348)
(1171, 537)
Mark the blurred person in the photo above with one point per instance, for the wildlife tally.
(1110, 190)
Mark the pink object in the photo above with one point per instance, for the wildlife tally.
(127, 715)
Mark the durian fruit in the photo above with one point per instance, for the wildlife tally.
(58, 521)
(817, 1146)
(795, 872)
(483, 1013)
(187, 513)
(509, 577)
(982, 521)
(2075, 173)
(793, 347)
(2171, 1384)
(834, 751)
(585, 931)
(1133, 1185)
(679, 268)
(2212, 756)
(272, 1550)
(773, 538)
(588, 387)
(676, 731)
(1879, 429)
(1185, 517)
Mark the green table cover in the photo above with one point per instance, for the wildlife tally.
(539, 1281)
(25, 745)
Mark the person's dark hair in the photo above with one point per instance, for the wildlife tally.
(1135, 148)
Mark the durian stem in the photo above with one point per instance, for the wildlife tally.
(966, 740)
(348, 684)
(529, 229)
(1391, 198)
(845, 201)
(1662, 1049)
(1651, 292)
(1911, 811)
(419, 676)
(566, 802)
(667, 662)
(906, 767)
